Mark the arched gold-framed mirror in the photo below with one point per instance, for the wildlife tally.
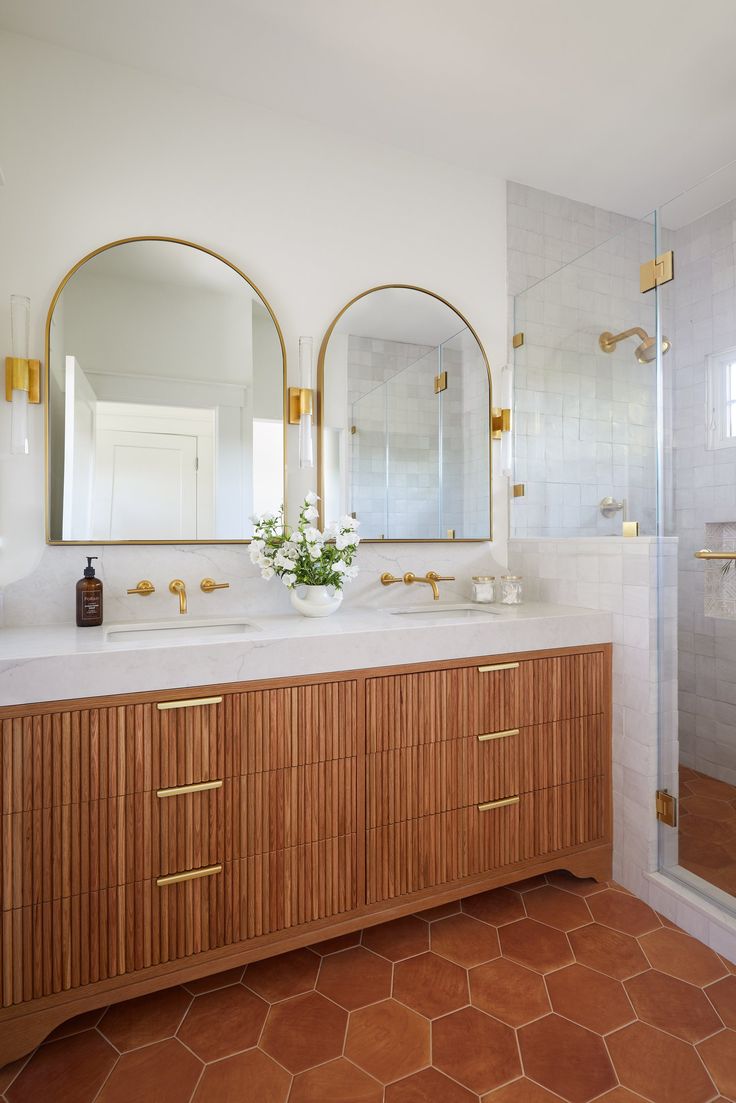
(165, 398)
(404, 415)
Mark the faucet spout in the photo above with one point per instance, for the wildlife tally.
(176, 586)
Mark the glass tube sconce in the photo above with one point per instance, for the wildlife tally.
(301, 403)
(22, 376)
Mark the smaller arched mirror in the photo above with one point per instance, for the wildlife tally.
(165, 386)
(405, 416)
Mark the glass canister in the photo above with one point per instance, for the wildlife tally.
(484, 588)
(511, 589)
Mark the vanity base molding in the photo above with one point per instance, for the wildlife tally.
(284, 802)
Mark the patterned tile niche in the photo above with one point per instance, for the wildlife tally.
(720, 585)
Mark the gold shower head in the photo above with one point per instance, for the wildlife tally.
(645, 352)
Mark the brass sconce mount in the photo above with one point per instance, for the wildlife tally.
(23, 375)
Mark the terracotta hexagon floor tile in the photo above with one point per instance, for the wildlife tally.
(529, 883)
(566, 1058)
(9, 1072)
(355, 978)
(398, 939)
(719, 1055)
(304, 1031)
(221, 1023)
(682, 956)
(464, 940)
(497, 907)
(521, 1091)
(77, 1067)
(710, 787)
(474, 1049)
(618, 955)
(589, 998)
(621, 1095)
(722, 995)
(556, 908)
(672, 1005)
(429, 915)
(217, 980)
(85, 1021)
(658, 1066)
(508, 991)
(535, 945)
(581, 886)
(388, 1040)
(335, 945)
(278, 978)
(707, 807)
(623, 912)
(248, 1075)
(430, 984)
(428, 1086)
(166, 1072)
(336, 1080)
(146, 1019)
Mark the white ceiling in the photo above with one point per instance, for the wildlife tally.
(620, 103)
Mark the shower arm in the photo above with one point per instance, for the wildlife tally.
(608, 341)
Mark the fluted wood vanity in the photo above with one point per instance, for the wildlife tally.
(152, 838)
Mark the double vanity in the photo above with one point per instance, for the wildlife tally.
(239, 787)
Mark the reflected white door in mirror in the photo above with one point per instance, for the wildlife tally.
(166, 386)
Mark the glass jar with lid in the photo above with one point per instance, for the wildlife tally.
(511, 589)
(484, 588)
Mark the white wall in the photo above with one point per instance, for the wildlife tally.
(93, 152)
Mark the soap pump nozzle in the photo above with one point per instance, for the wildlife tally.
(89, 571)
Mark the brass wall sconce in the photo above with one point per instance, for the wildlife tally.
(301, 403)
(22, 376)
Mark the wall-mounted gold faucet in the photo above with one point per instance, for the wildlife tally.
(144, 588)
(431, 579)
(176, 586)
(207, 585)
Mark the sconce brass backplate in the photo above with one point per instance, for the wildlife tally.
(300, 402)
(500, 421)
(653, 273)
(22, 375)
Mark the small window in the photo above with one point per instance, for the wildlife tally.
(721, 409)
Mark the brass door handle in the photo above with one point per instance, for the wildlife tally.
(498, 803)
(182, 790)
(497, 666)
(706, 553)
(209, 584)
(498, 735)
(144, 588)
(190, 875)
(190, 703)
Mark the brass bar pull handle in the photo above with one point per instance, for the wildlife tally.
(497, 666)
(207, 585)
(181, 790)
(497, 735)
(498, 803)
(162, 706)
(706, 553)
(190, 875)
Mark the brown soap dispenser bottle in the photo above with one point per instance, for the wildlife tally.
(89, 597)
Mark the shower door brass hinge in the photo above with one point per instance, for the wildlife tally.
(440, 382)
(519, 490)
(656, 272)
(666, 808)
(517, 340)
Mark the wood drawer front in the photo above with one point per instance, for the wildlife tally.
(278, 728)
(406, 710)
(67, 943)
(61, 758)
(422, 853)
(286, 808)
(438, 777)
(82, 848)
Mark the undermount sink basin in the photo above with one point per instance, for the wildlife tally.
(455, 612)
(180, 631)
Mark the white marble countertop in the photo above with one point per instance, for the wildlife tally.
(59, 662)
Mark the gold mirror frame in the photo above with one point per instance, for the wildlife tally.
(320, 404)
(57, 293)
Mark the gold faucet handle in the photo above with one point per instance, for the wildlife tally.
(144, 588)
(207, 585)
(440, 577)
(387, 579)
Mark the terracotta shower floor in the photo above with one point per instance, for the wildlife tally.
(707, 840)
(553, 989)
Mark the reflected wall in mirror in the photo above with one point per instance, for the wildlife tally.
(405, 406)
(165, 387)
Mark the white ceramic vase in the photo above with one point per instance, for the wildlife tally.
(316, 601)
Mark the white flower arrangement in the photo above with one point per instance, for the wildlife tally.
(305, 556)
